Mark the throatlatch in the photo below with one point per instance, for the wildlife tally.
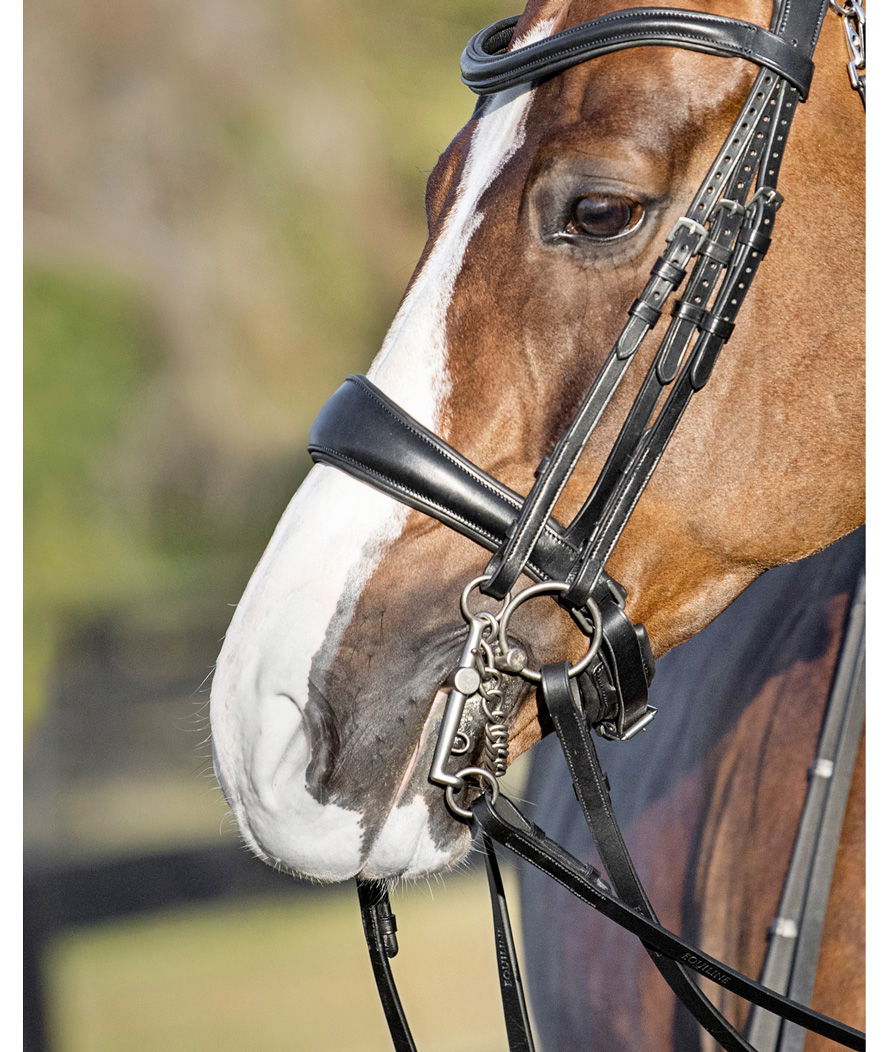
(710, 260)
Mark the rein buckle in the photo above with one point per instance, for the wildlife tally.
(610, 728)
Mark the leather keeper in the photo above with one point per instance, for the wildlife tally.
(581, 584)
(642, 309)
(691, 311)
(757, 239)
(663, 268)
(720, 253)
(711, 322)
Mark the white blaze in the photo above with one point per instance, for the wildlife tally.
(329, 541)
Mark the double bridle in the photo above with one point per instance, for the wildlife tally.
(711, 258)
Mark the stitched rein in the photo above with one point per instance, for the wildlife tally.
(725, 233)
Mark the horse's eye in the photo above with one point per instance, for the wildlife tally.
(604, 216)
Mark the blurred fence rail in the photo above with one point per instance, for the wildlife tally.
(223, 206)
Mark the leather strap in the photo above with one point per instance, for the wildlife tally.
(515, 1013)
(505, 824)
(796, 934)
(688, 314)
(419, 469)
(740, 148)
(620, 486)
(714, 331)
(799, 23)
(382, 943)
(592, 791)
(487, 67)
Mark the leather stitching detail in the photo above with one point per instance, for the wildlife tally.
(762, 46)
(625, 37)
(442, 452)
(336, 455)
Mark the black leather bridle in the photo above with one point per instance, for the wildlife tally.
(712, 256)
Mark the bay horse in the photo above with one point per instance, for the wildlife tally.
(545, 214)
(711, 807)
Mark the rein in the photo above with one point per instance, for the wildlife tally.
(725, 233)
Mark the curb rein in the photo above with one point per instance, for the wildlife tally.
(726, 231)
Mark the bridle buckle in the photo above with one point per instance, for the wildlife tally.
(623, 730)
(766, 194)
(694, 227)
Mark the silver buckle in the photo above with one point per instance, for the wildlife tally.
(611, 730)
(768, 194)
(694, 227)
(732, 206)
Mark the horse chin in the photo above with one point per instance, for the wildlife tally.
(320, 837)
(408, 847)
(285, 826)
(325, 843)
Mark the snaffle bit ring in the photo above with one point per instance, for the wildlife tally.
(550, 588)
(469, 615)
(478, 772)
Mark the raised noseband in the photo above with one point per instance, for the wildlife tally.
(711, 256)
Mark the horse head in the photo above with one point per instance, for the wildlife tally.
(545, 216)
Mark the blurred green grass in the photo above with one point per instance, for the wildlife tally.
(88, 351)
(280, 976)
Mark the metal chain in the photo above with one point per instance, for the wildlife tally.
(495, 753)
(487, 656)
(854, 23)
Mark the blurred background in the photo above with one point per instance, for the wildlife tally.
(223, 207)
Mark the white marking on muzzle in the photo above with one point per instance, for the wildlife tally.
(300, 596)
(328, 543)
(404, 845)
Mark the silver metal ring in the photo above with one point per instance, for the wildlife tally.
(478, 772)
(550, 588)
(468, 615)
(461, 744)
